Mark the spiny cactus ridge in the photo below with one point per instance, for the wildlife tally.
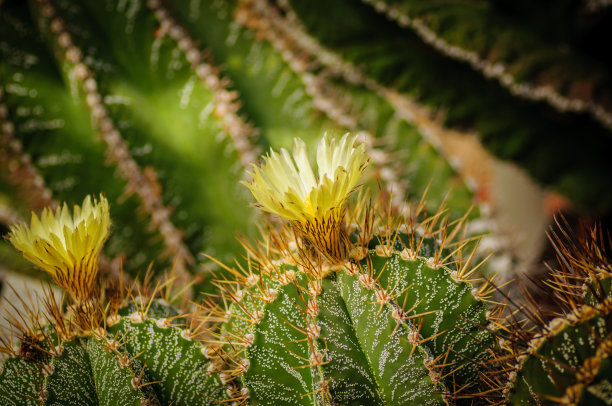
(398, 323)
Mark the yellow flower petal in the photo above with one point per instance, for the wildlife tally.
(286, 185)
(66, 246)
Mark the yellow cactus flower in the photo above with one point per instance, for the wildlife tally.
(66, 246)
(286, 185)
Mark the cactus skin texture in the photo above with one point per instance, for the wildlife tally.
(377, 331)
(141, 358)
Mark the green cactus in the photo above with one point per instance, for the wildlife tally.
(327, 315)
(134, 96)
(341, 305)
(139, 358)
(385, 317)
(103, 344)
(565, 360)
(574, 355)
(162, 105)
(392, 328)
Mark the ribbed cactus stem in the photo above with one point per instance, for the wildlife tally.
(139, 181)
(491, 69)
(22, 173)
(571, 352)
(227, 104)
(139, 357)
(389, 327)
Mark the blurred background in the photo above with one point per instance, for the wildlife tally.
(502, 106)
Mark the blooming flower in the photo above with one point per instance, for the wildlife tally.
(66, 246)
(286, 185)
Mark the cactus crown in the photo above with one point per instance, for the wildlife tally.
(108, 342)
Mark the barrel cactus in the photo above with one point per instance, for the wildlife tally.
(565, 360)
(348, 306)
(106, 343)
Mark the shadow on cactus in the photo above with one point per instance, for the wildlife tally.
(344, 301)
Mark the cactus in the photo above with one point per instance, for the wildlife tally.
(565, 360)
(334, 319)
(163, 105)
(134, 97)
(104, 344)
(343, 303)
(371, 313)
